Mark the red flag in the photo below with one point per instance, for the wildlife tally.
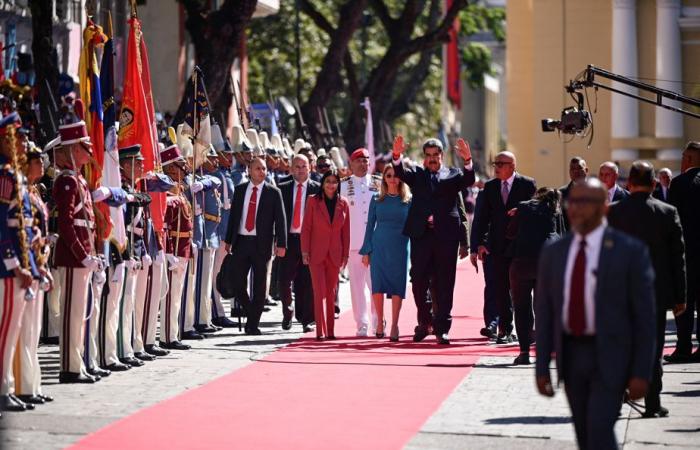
(137, 121)
(454, 66)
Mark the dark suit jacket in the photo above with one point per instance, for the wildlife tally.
(619, 194)
(533, 224)
(564, 191)
(659, 193)
(684, 194)
(287, 190)
(624, 308)
(464, 221)
(270, 223)
(440, 203)
(656, 224)
(491, 217)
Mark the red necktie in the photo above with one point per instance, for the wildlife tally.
(296, 222)
(577, 308)
(250, 218)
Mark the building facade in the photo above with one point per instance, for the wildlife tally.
(551, 41)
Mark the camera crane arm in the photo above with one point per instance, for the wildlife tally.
(588, 79)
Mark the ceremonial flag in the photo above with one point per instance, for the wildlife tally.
(110, 170)
(369, 134)
(453, 64)
(194, 115)
(137, 120)
(91, 95)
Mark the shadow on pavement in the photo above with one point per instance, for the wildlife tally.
(529, 420)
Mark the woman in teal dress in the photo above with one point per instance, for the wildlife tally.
(385, 248)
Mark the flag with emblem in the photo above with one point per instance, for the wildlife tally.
(369, 134)
(194, 114)
(137, 119)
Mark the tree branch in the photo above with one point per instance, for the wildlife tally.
(380, 9)
(351, 74)
(314, 14)
(439, 34)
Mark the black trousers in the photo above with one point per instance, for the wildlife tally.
(686, 322)
(432, 257)
(293, 273)
(500, 289)
(652, 401)
(246, 257)
(490, 306)
(523, 275)
(594, 405)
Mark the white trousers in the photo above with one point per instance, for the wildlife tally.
(203, 287)
(170, 308)
(109, 315)
(217, 308)
(148, 295)
(12, 306)
(52, 309)
(93, 324)
(188, 304)
(361, 292)
(27, 370)
(74, 295)
(126, 316)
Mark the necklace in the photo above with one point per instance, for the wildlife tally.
(392, 195)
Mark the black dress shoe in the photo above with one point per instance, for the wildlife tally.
(7, 403)
(72, 377)
(653, 413)
(191, 336)
(443, 339)
(53, 340)
(331, 337)
(206, 329)
(420, 333)
(287, 324)
(46, 398)
(695, 357)
(504, 339)
(677, 357)
(31, 399)
(522, 359)
(143, 356)
(224, 322)
(133, 362)
(117, 367)
(270, 302)
(308, 328)
(175, 345)
(156, 351)
(488, 332)
(253, 332)
(97, 372)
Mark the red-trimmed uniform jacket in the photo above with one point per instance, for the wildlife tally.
(76, 219)
(178, 221)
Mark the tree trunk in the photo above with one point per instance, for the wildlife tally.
(217, 37)
(45, 66)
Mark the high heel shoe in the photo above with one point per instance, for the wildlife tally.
(394, 334)
(383, 333)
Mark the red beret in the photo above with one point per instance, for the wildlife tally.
(359, 153)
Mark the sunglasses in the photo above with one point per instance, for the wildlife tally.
(501, 163)
(323, 166)
(389, 176)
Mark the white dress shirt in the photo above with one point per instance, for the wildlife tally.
(510, 183)
(594, 240)
(248, 192)
(611, 193)
(295, 188)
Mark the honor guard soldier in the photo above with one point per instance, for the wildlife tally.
(359, 188)
(211, 212)
(243, 153)
(18, 270)
(27, 371)
(223, 173)
(75, 256)
(52, 320)
(196, 191)
(178, 222)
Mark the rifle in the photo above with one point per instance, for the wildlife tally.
(241, 118)
(304, 128)
(339, 130)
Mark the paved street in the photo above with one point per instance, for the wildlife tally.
(495, 406)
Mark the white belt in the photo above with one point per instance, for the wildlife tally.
(83, 223)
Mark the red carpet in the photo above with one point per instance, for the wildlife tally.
(348, 393)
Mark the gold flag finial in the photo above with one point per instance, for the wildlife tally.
(133, 8)
(109, 24)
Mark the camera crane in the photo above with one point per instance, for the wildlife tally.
(576, 120)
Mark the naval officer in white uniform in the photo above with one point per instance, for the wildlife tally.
(359, 188)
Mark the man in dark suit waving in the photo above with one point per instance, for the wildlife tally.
(658, 225)
(257, 220)
(433, 224)
(292, 270)
(595, 309)
(501, 194)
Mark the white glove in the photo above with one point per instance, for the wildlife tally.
(92, 263)
(196, 187)
(53, 237)
(132, 264)
(130, 198)
(194, 248)
(99, 277)
(146, 260)
(173, 261)
(198, 210)
(100, 194)
(160, 259)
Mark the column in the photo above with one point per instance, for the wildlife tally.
(669, 124)
(624, 112)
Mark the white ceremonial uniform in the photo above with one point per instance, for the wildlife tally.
(92, 326)
(26, 369)
(359, 192)
(155, 291)
(109, 315)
